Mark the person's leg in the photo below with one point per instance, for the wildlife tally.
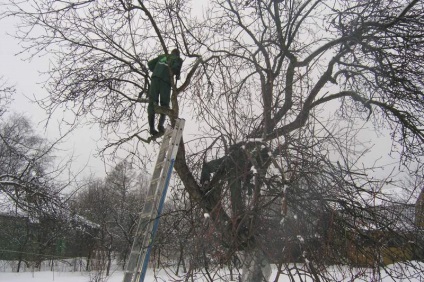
(165, 95)
(161, 127)
(153, 99)
(151, 120)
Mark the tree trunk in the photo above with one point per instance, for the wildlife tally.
(19, 263)
(109, 262)
(181, 259)
(87, 267)
(256, 267)
(124, 261)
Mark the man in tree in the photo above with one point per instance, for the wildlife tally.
(164, 67)
(236, 168)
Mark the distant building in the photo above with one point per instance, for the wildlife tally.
(352, 234)
(30, 239)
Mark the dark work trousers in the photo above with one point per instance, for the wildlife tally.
(160, 92)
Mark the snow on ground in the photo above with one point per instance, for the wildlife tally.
(338, 273)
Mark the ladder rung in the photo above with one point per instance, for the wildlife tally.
(162, 163)
(156, 180)
(150, 198)
(145, 215)
(169, 132)
(156, 174)
(148, 206)
(135, 253)
(166, 139)
(146, 212)
(162, 152)
(151, 192)
(158, 167)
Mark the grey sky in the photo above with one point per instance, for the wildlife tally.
(82, 143)
(24, 74)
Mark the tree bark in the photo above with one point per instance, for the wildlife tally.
(256, 267)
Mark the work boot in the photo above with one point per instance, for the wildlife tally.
(151, 119)
(161, 128)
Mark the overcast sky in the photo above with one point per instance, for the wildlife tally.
(25, 76)
(27, 80)
(81, 143)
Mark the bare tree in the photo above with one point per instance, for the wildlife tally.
(6, 91)
(31, 194)
(114, 204)
(127, 190)
(28, 174)
(281, 91)
(95, 203)
(32, 202)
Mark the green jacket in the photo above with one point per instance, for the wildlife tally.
(161, 64)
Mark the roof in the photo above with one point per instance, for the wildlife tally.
(400, 217)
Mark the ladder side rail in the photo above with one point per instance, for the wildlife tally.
(173, 145)
(149, 218)
(134, 258)
(156, 223)
(148, 228)
(177, 140)
(136, 250)
(143, 250)
(143, 228)
(162, 189)
(145, 215)
(148, 209)
(172, 152)
(159, 178)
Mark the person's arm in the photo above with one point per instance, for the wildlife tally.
(177, 63)
(152, 63)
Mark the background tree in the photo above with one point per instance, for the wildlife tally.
(281, 90)
(6, 91)
(33, 207)
(28, 174)
(95, 204)
(127, 189)
(27, 171)
(113, 204)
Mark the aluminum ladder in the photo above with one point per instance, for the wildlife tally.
(149, 218)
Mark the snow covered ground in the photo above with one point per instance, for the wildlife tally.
(409, 272)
